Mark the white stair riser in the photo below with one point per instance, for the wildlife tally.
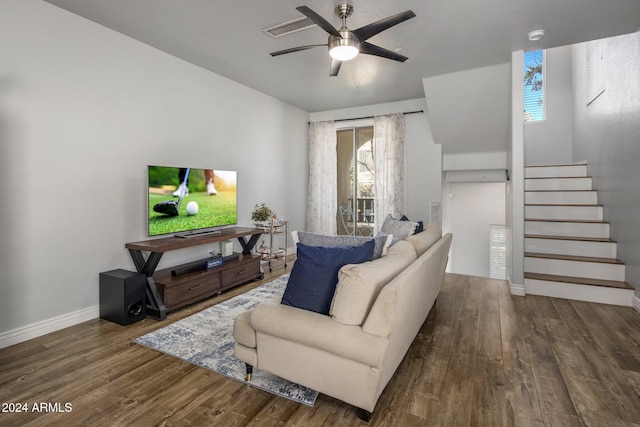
(561, 197)
(561, 267)
(571, 247)
(555, 171)
(555, 184)
(569, 229)
(594, 213)
(600, 294)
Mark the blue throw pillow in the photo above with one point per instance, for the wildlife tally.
(314, 276)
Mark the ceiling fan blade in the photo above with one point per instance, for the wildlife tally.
(372, 49)
(318, 20)
(335, 67)
(296, 49)
(363, 33)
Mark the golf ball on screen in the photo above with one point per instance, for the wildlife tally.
(192, 208)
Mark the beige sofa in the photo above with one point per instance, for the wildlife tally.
(377, 311)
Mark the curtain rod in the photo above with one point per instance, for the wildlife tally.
(371, 117)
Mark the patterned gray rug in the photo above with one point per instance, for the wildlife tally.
(206, 339)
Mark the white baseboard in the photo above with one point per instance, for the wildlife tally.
(636, 303)
(517, 289)
(44, 327)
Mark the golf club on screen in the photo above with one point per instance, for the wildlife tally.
(170, 207)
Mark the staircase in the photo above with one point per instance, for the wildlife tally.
(568, 252)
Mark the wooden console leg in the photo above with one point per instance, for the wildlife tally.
(247, 378)
(364, 415)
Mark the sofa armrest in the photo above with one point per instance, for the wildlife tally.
(318, 331)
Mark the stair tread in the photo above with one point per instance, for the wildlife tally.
(578, 280)
(586, 221)
(556, 165)
(582, 239)
(564, 204)
(573, 258)
(558, 177)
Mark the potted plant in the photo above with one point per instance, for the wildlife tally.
(261, 213)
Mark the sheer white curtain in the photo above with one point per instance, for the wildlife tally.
(388, 154)
(323, 190)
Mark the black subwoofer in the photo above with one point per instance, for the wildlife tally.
(123, 296)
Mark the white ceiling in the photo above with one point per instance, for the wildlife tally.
(446, 36)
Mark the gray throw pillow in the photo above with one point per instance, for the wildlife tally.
(382, 241)
(399, 229)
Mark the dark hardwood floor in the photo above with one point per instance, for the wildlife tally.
(483, 358)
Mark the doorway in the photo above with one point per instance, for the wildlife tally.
(356, 175)
(471, 210)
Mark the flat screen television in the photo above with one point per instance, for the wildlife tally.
(190, 201)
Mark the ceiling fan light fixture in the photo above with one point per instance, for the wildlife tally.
(344, 48)
(344, 44)
(344, 53)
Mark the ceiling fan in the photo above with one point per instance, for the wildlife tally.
(345, 44)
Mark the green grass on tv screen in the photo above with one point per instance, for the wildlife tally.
(213, 211)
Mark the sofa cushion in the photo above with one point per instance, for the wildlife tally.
(315, 333)
(313, 278)
(399, 229)
(382, 242)
(424, 240)
(359, 284)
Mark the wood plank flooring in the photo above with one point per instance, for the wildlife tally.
(482, 358)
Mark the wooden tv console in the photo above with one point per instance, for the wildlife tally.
(166, 291)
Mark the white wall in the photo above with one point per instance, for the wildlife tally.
(475, 161)
(515, 187)
(607, 135)
(468, 210)
(548, 142)
(469, 113)
(469, 110)
(423, 167)
(83, 110)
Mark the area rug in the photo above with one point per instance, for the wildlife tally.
(206, 339)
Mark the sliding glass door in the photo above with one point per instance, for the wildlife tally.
(355, 181)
